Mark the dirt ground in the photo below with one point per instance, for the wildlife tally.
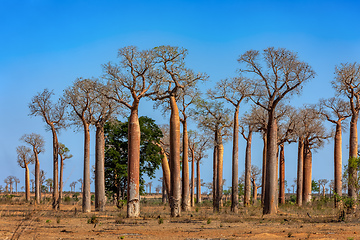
(19, 220)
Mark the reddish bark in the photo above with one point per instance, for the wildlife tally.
(282, 175)
(235, 164)
(307, 174)
(300, 173)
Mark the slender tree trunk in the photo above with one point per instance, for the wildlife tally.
(353, 153)
(56, 204)
(175, 193)
(100, 199)
(133, 200)
(61, 181)
(307, 174)
(164, 195)
(282, 175)
(185, 200)
(235, 164)
(86, 203)
(270, 201)
(247, 190)
(263, 180)
(37, 176)
(219, 186)
(198, 182)
(255, 188)
(192, 177)
(338, 161)
(300, 173)
(27, 183)
(215, 170)
(166, 172)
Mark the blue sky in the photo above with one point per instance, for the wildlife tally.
(48, 44)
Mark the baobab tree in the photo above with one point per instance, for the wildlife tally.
(313, 135)
(322, 184)
(25, 157)
(16, 180)
(215, 118)
(198, 143)
(186, 98)
(73, 185)
(9, 180)
(81, 98)
(246, 122)
(255, 172)
(131, 80)
(276, 74)
(286, 134)
(53, 115)
(336, 110)
(347, 83)
(234, 91)
(37, 143)
(174, 76)
(64, 154)
(104, 110)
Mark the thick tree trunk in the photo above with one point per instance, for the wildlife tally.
(282, 175)
(307, 174)
(37, 177)
(235, 164)
(263, 179)
(247, 190)
(300, 173)
(175, 193)
(192, 178)
(338, 161)
(164, 195)
(353, 153)
(198, 183)
(27, 183)
(86, 203)
(270, 201)
(133, 199)
(185, 200)
(56, 204)
(100, 199)
(219, 186)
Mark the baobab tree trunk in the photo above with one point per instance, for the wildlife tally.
(175, 193)
(270, 201)
(185, 200)
(27, 183)
(255, 188)
(192, 177)
(166, 172)
(300, 173)
(37, 177)
(56, 204)
(198, 183)
(100, 200)
(235, 164)
(61, 183)
(215, 170)
(219, 187)
(282, 175)
(247, 192)
(307, 174)
(133, 200)
(86, 204)
(164, 195)
(353, 152)
(263, 180)
(338, 161)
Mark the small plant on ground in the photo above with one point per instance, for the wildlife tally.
(161, 221)
(93, 219)
(208, 221)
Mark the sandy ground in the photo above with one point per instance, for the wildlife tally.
(27, 221)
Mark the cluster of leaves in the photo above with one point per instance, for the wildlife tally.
(116, 154)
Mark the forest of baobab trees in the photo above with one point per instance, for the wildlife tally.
(267, 80)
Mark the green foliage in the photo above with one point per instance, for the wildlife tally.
(161, 221)
(241, 189)
(208, 221)
(314, 186)
(93, 219)
(75, 197)
(353, 163)
(67, 199)
(116, 154)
